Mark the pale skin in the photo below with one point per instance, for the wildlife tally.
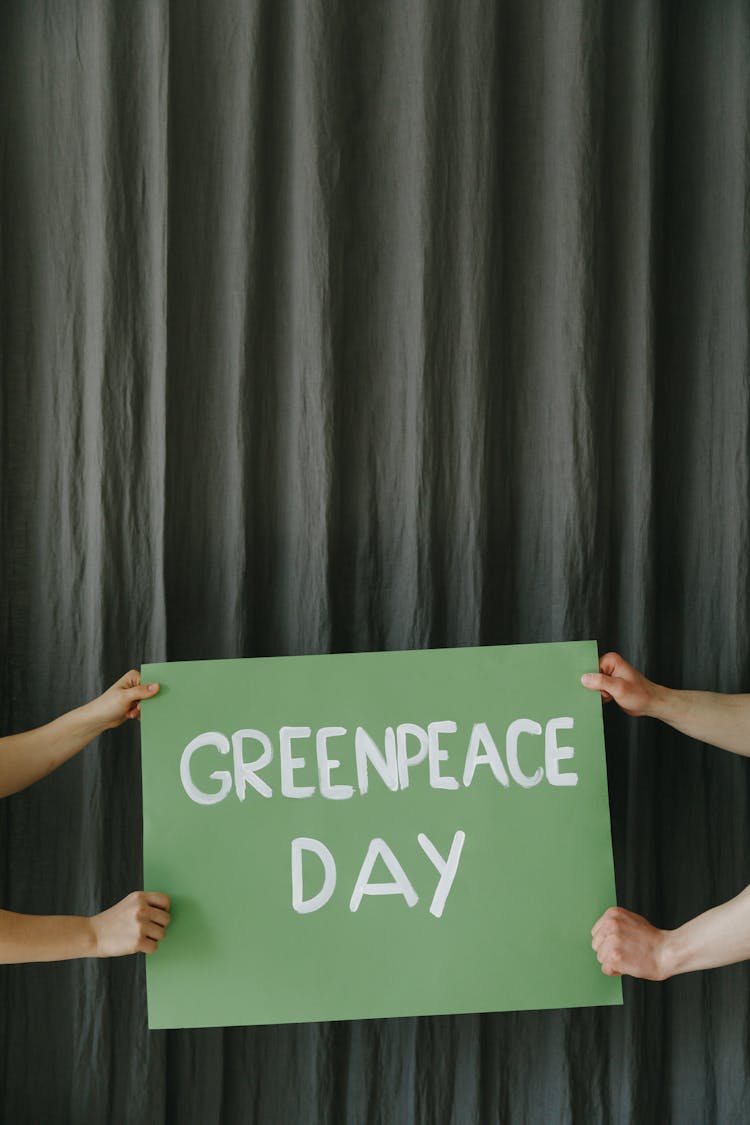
(624, 942)
(136, 924)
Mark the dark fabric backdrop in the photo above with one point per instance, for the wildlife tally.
(347, 325)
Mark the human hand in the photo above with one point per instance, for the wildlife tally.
(135, 925)
(121, 701)
(627, 944)
(618, 680)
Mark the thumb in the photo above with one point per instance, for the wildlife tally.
(141, 691)
(597, 681)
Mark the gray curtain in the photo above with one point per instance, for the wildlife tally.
(373, 324)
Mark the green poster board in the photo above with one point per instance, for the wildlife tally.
(376, 834)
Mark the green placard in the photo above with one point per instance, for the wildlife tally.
(376, 834)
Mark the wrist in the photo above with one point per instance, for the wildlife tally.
(660, 702)
(79, 937)
(672, 955)
(94, 936)
(92, 723)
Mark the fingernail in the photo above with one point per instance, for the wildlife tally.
(586, 678)
(152, 687)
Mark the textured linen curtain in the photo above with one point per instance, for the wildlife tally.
(373, 324)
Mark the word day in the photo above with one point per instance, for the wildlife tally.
(400, 884)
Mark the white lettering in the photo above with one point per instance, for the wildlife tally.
(403, 730)
(308, 844)
(289, 763)
(521, 726)
(366, 749)
(245, 772)
(399, 886)
(438, 755)
(446, 868)
(326, 765)
(554, 754)
(221, 743)
(481, 737)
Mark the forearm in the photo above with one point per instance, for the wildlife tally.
(135, 925)
(33, 937)
(720, 720)
(27, 757)
(721, 936)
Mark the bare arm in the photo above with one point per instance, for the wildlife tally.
(138, 922)
(27, 757)
(721, 720)
(625, 943)
(135, 925)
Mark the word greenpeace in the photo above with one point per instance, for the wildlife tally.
(403, 749)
